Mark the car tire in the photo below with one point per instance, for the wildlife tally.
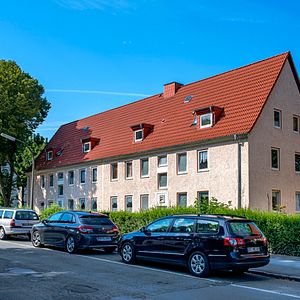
(198, 264)
(3, 235)
(71, 246)
(109, 249)
(36, 239)
(128, 253)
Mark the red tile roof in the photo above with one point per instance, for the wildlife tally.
(241, 92)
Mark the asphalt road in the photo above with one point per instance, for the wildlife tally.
(30, 273)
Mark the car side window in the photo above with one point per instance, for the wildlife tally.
(1, 213)
(207, 226)
(67, 218)
(55, 217)
(8, 214)
(159, 226)
(182, 225)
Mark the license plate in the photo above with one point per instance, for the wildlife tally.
(103, 239)
(253, 249)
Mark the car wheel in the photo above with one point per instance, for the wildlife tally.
(3, 235)
(128, 253)
(109, 249)
(36, 239)
(71, 246)
(198, 264)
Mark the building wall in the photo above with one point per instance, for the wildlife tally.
(220, 180)
(284, 97)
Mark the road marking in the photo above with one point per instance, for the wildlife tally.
(163, 271)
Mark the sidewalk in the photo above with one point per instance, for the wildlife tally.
(281, 266)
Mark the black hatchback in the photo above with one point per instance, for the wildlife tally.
(201, 242)
(74, 230)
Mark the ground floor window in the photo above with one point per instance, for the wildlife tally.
(276, 200)
(128, 203)
(182, 199)
(298, 201)
(70, 204)
(82, 203)
(114, 203)
(94, 204)
(144, 202)
(60, 202)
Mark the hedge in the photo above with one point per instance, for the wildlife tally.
(281, 230)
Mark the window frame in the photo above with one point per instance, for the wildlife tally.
(95, 199)
(80, 202)
(69, 207)
(88, 149)
(82, 171)
(177, 163)
(275, 110)
(141, 206)
(297, 205)
(125, 202)
(210, 123)
(159, 175)
(297, 154)
(280, 203)
(127, 163)
(159, 165)
(111, 203)
(198, 160)
(278, 158)
(141, 167)
(186, 200)
(94, 178)
(51, 181)
(60, 187)
(43, 181)
(297, 118)
(112, 178)
(135, 133)
(49, 155)
(69, 172)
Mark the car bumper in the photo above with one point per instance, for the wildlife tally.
(88, 242)
(17, 231)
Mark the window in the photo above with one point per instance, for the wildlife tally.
(162, 180)
(60, 190)
(138, 135)
(277, 118)
(144, 202)
(114, 171)
(128, 167)
(114, 203)
(70, 204)
(206, 226)
(276, 200)
(181, 163)
(55, 218)
(159, 226)
(67, 218)
(71, 177)
(94, 204)
(128, 203)
(206, 120)
(51, 180)
(144, 167)
(182, 225)
(203, 196)
(162, 161)
(297, 162)
(82, 203)
(60, 203)
(42, 181)
(275, 156)
(60, 176)
(82, 176)
(86, 147)
(202, 160)
(297, 201)
(296, 124)
(49, 155)
(94, 175)
(182, 199)
(49, 203)
(8, 214)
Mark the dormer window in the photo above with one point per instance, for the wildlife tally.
(49, 155)
(86, 147)
(138, 135)
(206, 120)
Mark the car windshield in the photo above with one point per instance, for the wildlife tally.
(26, 215)
(95, 220)
(244, 228)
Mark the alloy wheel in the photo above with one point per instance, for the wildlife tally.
(70, 245)
(36, 239)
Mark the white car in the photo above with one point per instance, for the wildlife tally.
(16, 221)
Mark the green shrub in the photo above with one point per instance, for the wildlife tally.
(50, 211)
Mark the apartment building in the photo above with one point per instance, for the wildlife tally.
(233, 136)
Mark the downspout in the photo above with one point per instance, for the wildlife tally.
(239, 172)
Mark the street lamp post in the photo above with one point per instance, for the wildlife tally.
(11, 138)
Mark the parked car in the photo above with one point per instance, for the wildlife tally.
(74, 230)
(201, 242)
(15, 221)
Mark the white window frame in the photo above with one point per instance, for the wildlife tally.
(198, 160)
(280, 118)
(126, 164)
(51, 186)
(158, 161)
(141, 167)
(177, 163)
(111, 203)
(94, 168)
(297, 118)
(125, 199)
(82, 170)
(88, 149)
(49, 155)
(111, 171)
(71, 199)
(60, 202)
(80, 201)
(58, 190)
(297, 198)
(135, 133)
(178, 195)
(280, 199)
(158, 181)
(296, 153)
(96, 200)
(278, 158)
(43, 181)
(141, 196)
(71, 184)
(211, 120)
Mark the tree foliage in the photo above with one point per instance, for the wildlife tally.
(22, 109)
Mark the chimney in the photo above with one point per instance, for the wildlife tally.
(171, 88)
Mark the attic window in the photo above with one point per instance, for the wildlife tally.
(138, 135)
(187, 99)
(86, 147)
(49, 155)
(206, 120)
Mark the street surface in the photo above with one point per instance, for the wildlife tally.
(30, 273)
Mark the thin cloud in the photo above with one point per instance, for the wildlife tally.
(96, 92)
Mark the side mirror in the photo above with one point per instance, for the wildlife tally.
(143, 229)
(45, 221)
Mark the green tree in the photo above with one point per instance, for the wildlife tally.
(22, 109)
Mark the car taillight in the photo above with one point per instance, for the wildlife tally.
(113, 230)
(85, 229)
(265, 241)
(12, 223)
(234, 242)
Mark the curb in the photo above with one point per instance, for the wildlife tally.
(275, 275)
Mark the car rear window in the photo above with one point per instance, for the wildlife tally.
(26, 215)
(8, 214)
(95, 220)
(244, 228)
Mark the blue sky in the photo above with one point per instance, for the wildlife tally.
(93, 55)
